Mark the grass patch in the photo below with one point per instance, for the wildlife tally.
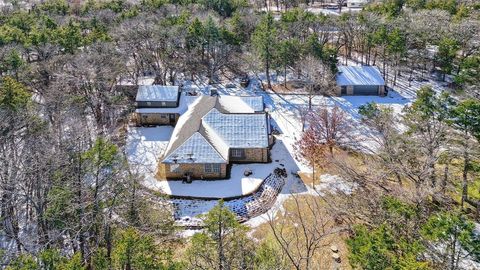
(322, 259)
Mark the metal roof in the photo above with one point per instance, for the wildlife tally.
(157, 93)
(195, 149)
(239, 130)
(359, 75)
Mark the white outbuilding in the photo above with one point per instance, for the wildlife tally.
(360, 81)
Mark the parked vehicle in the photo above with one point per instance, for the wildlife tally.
(245, 81)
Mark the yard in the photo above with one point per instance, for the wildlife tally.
(145, 146)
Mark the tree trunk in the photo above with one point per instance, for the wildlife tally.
(433, 178)
(313, 174)
(220, 243)
(445, 177)
(267, 73)
(466, 163)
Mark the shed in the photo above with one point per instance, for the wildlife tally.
(360, 80)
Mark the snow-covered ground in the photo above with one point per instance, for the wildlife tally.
(315, 9)
(285, 113)
(187, 211)
(145, 146)
(237, 185)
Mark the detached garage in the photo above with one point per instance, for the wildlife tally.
(360, 81)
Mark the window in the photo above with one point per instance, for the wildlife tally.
(163, 116)
(212, 168)
(238, 153)
(149, 103)
(344, 90)
(175, 168)
(164, 104)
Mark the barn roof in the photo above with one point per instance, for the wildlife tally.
(157, 93)
(359, 75)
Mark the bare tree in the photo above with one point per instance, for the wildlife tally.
(303, 230)
(340, 4)
(330, 127)
(318, 77)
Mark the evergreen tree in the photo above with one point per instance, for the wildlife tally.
(447, 51)
(465, 117)
(223, 244)
(426, 120)
(13, 95)
(264, 40)
(134, 250)
(455, 234)
(287, 55)
(391, 245)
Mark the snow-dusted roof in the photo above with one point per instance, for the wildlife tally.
(359, 75)
(195, 149)
(189, 123)
(157, 93)
(184, 103)
(239, 130)
(246, 104)
(223, 124)
(357, 1)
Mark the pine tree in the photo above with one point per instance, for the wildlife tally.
(264, 40)
(223, 244)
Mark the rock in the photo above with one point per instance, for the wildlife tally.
(336, 257)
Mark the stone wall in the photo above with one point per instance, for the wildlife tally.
(252, 155)
(256, 155)
(197, 171)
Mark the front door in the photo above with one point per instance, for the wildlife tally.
(172, 119)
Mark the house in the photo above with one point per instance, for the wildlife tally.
(158, 105)
(357, 3)
(214, 132)
(360, 80)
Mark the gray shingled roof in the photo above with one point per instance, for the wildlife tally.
(239, 130)
(359, 75)
(157, 93)
(189, 122)
(211, 119)
(236, 104)
(195, 149)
